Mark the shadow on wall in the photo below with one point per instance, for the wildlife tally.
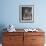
(2, 26)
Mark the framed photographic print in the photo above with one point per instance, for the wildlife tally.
(26, 13)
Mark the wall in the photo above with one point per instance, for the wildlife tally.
(10, 13)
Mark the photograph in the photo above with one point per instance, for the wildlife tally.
(26, 13)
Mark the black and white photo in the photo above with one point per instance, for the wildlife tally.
(26, 13)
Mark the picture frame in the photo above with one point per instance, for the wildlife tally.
(26, 13)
